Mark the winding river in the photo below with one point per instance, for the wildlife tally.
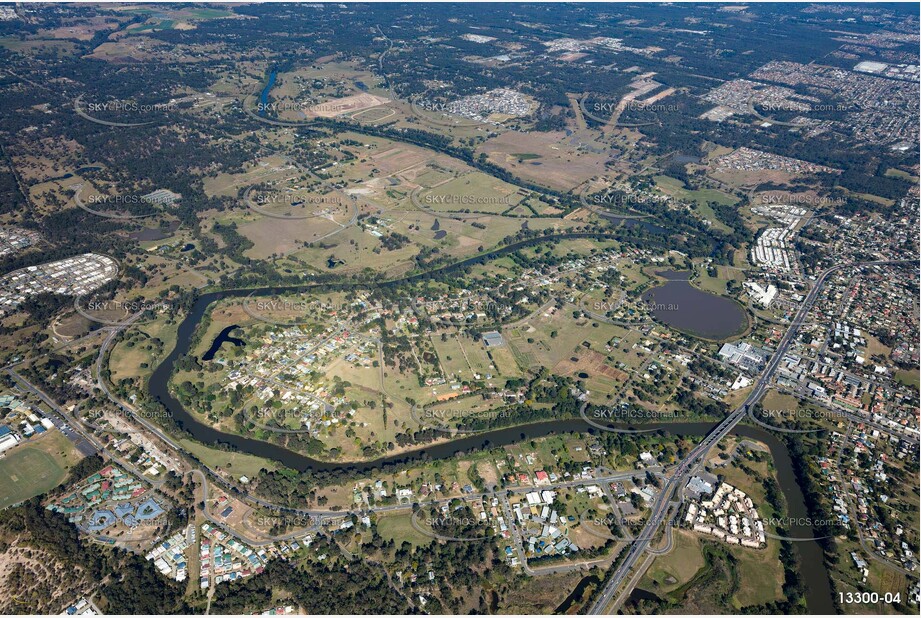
(264, 95)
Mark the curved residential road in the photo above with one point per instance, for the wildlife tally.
(697, 455)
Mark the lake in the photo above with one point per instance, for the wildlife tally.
(680, 305)
(222, 338)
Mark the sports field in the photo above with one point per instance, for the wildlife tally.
(29, 470)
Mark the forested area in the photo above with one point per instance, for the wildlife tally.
(126, 583)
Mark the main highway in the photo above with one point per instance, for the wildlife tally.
(697, 455)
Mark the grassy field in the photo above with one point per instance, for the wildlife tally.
(682, 576)
(910, 377)
(897, 173)
(238, 464)
(701, 197)
(634, 274)
(431, 177)
(405, 385)
(129, 356)
(875, 198)
(34, 468)
(165, 24)
(505, 362)
(208, 13)
(760, 574)
(476, 356)
(462, 406)
(273, 168)
(380, 178)
(674, 187)
(677, 568)
(535, 595)
(398, 528)
(717, 285)
(553, 337)
(273, 236)
(552, 160)
(37, 45)
(475, 191)
(779, 401)
(451, 355)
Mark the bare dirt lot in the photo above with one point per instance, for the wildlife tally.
(345, 105)
(546, 158)
(399, 158)
(589, 362)
(283, 236)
